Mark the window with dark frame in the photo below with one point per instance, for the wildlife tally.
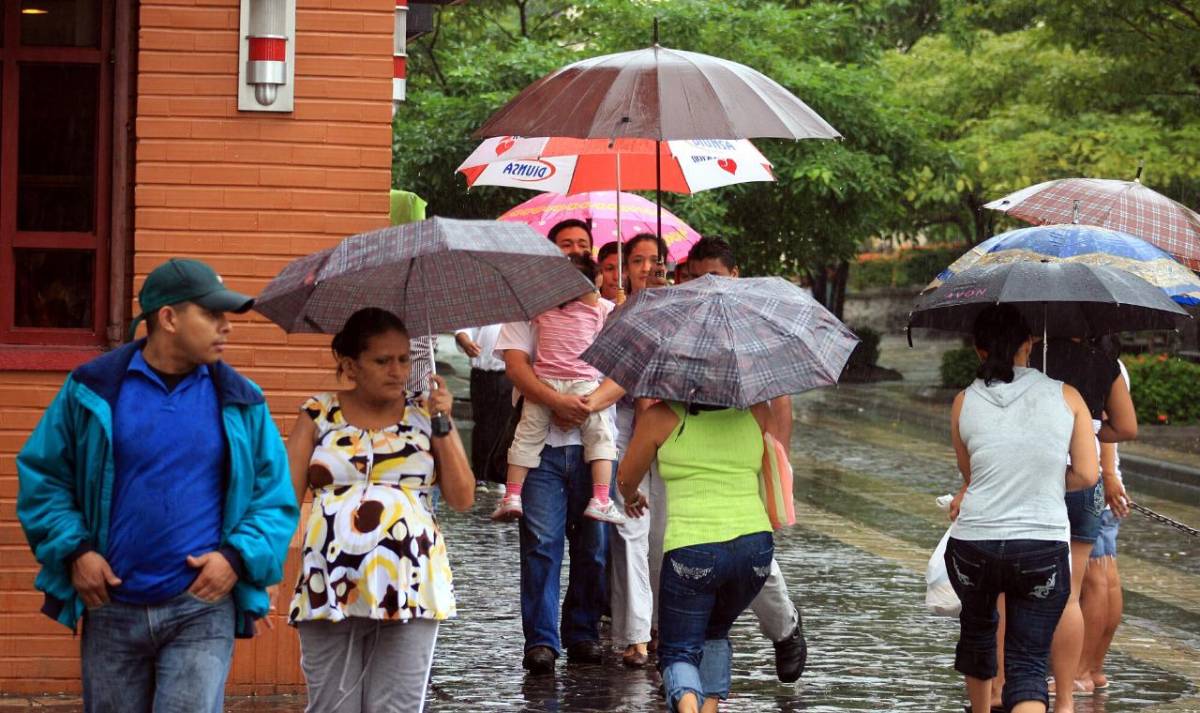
(55, 171)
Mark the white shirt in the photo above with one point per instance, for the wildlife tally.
(485, 337)
(522, 336)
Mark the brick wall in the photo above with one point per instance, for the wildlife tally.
(245, 192)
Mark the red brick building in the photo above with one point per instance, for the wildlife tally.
(122, 145)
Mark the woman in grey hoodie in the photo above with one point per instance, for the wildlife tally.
(1012, 431)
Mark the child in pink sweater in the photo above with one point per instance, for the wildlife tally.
(562, 335)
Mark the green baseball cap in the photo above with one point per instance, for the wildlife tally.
(179, 280)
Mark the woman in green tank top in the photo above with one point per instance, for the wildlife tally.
(718, 545)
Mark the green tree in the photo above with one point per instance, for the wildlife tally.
(1015, 108)
(830, 197)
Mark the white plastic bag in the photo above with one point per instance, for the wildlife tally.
(940, 598)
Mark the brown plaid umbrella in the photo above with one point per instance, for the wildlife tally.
(1125, 206)
(437, 275)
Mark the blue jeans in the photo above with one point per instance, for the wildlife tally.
(554, 497)
(163, 658)
(1035, 578)
(703, 589)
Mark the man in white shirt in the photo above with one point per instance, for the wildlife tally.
(553, 498)
(491, 397)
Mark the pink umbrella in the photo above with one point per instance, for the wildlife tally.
(599, 208)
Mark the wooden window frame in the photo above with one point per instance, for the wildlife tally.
(58, 349)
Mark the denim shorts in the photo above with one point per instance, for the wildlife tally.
(1106, 542)
(1083, 510)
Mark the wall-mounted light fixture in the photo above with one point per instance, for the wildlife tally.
(267, 57)
(399, 54)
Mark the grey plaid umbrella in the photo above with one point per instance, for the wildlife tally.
(437, 275)
(723, 342)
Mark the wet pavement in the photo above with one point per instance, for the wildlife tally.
(865, 483)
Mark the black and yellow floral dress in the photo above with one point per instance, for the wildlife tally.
(372, 546)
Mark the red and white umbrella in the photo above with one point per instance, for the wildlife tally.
(1124, 206)
(565, 165)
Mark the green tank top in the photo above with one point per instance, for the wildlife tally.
(710, 465)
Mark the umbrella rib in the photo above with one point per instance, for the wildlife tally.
(478, 257)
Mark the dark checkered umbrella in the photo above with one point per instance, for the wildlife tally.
(1125, 206)
(723, 342)
(437, 275)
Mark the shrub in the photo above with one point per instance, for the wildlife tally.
(1164, 390)
(866, 352)
(959, 367)
(905, 268)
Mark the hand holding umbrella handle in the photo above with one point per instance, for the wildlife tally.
(440, 401)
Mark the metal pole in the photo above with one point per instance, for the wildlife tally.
(658, 178)
(620, 251)
(439, 423)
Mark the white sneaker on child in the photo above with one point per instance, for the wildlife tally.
(509, 509)
(604, 512)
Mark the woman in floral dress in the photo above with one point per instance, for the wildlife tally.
(375, 578)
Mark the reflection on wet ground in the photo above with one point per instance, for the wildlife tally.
(865, 483)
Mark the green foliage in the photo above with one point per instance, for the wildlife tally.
(1020, 106)
(830, 197)
(958, 367)
(1164, 390)
(866, 352)
(944, 105)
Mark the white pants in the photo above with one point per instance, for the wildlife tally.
(365, 666)
(630, 593)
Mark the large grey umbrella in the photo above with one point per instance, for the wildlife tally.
(723, 342)
(657, 93)
(437, 275)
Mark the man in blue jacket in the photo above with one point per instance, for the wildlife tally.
(155, 495)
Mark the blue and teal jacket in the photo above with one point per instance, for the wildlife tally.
(65, 472)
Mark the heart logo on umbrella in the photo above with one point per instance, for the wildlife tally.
(505, 144)
(728, 164)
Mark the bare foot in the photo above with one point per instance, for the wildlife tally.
(1099, 681)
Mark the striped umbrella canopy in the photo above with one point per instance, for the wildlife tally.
(599, 209)
(722, 341)
(1126, 206)
(657, 93)
(1084, 244)
(437, 275)
(565, 165)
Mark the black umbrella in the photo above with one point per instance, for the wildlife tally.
(1057, 299)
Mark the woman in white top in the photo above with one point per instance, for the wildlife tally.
(1012, 430)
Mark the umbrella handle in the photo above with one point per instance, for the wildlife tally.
(439, 424)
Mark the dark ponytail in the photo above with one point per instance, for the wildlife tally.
(362, 325)
(1000, 330)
